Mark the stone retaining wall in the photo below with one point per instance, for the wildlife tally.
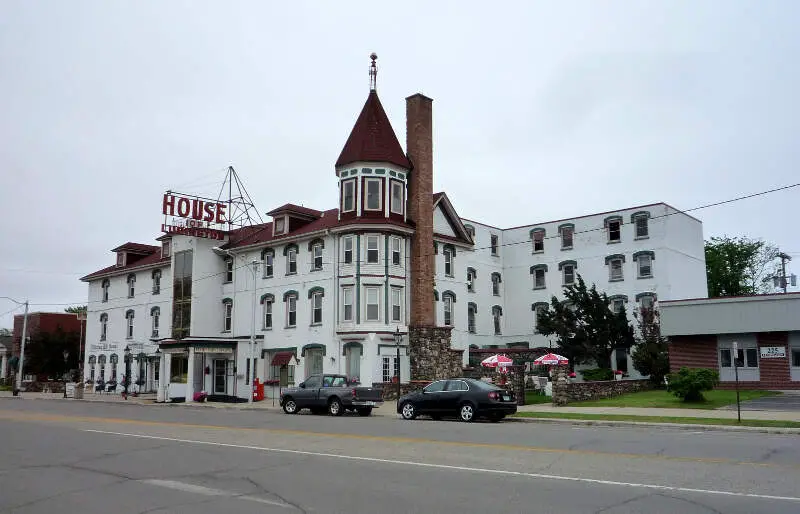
(565, 392)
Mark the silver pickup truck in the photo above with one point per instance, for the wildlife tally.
(331, 393)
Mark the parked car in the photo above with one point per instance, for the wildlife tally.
(466, 398)
(333, 393)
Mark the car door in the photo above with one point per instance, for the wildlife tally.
(452, 397)
(431, 396)
(307, 396)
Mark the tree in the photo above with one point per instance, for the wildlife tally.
(75, 309)
(689, 383)
(44, 354)
(586, 328)
(4, 332)
(651, 355)
(739, 266)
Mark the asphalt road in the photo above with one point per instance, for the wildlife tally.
(62, 456)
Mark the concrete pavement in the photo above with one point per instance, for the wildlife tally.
(687, 413)
(88, 457)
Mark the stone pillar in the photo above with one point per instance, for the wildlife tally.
(190, 376)
(4, 364)
(430, 353)
(560, 385)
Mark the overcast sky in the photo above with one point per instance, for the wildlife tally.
(542, 110)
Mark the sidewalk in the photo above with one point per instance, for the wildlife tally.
(678, 413)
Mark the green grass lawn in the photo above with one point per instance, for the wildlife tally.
(660, 419)
(532, 397)
(662, 399)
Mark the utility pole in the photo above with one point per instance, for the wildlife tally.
(783, 279)
(22, 348)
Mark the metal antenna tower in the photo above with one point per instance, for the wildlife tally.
(241, 209)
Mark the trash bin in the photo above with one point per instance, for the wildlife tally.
(258, 390)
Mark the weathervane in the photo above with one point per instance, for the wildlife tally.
(373, 72)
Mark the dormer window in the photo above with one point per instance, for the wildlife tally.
(397, 197)
(373, 196)
(131, 285)
(120, 258)
(348, 195)
(166, 247)
(280, 225)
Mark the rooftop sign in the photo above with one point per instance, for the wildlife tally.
(193, 216)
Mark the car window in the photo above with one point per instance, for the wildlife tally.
(456, 385)
(483, 386)
(435, 387)
(339, 381)
(313, 382)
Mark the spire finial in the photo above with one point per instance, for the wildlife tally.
(373, 72)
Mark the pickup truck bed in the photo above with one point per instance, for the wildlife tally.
(331, 393)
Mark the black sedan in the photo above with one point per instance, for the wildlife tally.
(466, 398)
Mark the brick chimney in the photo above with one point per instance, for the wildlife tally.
(419, 145)
(431, 357)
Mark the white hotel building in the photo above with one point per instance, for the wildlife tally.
(326, 290)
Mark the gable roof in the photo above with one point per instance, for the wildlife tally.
(295, 209)
(441, 200)
(137, 248)
(153, 260)
(373, 138)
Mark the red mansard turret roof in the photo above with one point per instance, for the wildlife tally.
(372, 138)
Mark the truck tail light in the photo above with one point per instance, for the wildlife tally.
(354, 393)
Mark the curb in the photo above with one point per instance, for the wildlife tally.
(679, 426)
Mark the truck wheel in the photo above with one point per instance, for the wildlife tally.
(289, 406)
(467, 412)
(335, 407)
(408, 411)
(364, 411)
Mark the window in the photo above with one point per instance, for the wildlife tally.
(104, 286)
(390, 369)
(640, 222)
(567, 231)
(227, 315)
(617, 305)
(373, 307)
(291, 261)
(92, 363)
(614, 229)
(447, 300)
(178, 369)
(796, 357)
(644, 263)
(569, 274)
(436, 387)
(537, 236)
(316, 308)
(316, 251)
(291, 309)
(538, 271)
(373, 194)
(470, 230)
(397, 304)
(348, 250)
(268, 303)
(372, 250)
(396, 256)
(614, 263)
(745, 358)
(129, 332)
(349, 195)
(494, 244)
(353, 361)
(471, 280)
(155, 314)
(538, 309)
(397, 197)
(103, 326)
(621, 359)
(157, 281)
(268, 259)
(646, 300)
(229, 269)
(120, 259)
(280, 225)
(182, 294)
(102, 362)
(131, 285)
(165, 248)
(347, 304)
(497, 313)
(448, 262)
(496, 279)
(472, 310)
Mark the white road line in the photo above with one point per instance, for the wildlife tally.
(457, 468)
(208, 491)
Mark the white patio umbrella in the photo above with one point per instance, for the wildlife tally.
(497, 361)
(552, 359)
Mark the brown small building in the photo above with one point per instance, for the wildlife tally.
(764, 329)
(39, 322)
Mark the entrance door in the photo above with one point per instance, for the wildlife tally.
(220, 378)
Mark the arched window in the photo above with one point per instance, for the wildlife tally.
(114, 360)
(105, 285)
(129, 317)
(472, 311)
(92, 364)
(101, 362)
(131, 285)
(155, 314)
(290, 301)
(267, 300)
(290, 251)
(157, 281)
(448, 299)
(537, 237)
(538, 308)
(103, 326)
(496, 280)
(315, 294)
(471, 275)
(227, 314)
(497, 314)
(268, 260)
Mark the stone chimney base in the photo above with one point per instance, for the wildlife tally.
(432, 358)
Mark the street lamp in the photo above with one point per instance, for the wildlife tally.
(397, 338)
(66, 356)
(127, 380)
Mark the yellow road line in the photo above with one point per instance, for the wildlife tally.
(64, 418)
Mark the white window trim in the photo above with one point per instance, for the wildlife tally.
(345, 183)
(348, 239)
(377, 249)
(367, 290)
(639, 266)
(447, 304)
(275, 230)
(398, 185)
(227, 316)
(314, 297)
(646, 219)
(366, 194)
(544, 279)
(396, 241)
(345, 290)
(495, 248)
(448, 262)
(289, 254)
(398, 291)
(608, 231)
(288, 304)
(314, 249)
(611, 277)
(572, 238)
(269, 308)
(564, 274)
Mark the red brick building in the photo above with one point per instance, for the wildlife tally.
(759, 334)
(39, 322)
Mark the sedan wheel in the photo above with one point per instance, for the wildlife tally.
(289, 406)
(408, 411)
(467, 412)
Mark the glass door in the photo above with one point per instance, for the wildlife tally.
(220, 377)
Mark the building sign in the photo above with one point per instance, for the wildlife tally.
(213, 349)
(773, 352)
(104, 347)
(193, 216)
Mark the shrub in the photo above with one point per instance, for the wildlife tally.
(689, 383)
(595, 374)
